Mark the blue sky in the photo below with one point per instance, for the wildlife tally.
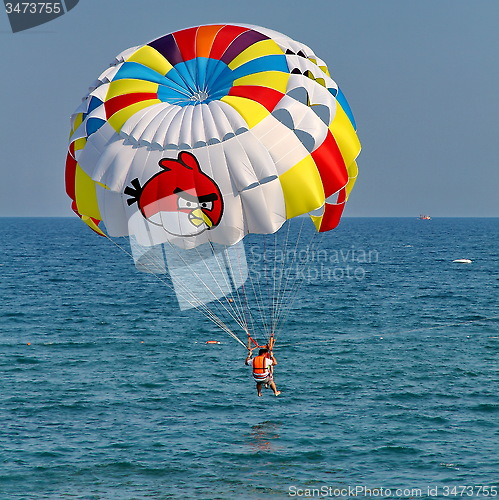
(421, 77)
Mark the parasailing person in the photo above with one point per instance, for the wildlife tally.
(263, 370)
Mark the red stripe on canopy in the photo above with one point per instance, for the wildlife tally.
(265, 96)
(119, 102)
(70, 172)
(331, 165)
(331, 217)
(186, 41)
(223, 39)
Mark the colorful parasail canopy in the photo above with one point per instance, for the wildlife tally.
(210, 133)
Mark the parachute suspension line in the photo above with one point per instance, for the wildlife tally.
(275, 296)
(181, 285)
(237, 304)
(282, 283)
(228, 278)
(245, 306)
(280, 275)
(315, 242)
(230, 312)
(261, 297)
(267, 277)
(295, 288)
(292, 287)
(288, 287)
(204, 310)
(258, 295)
(149, 260)
(234, 311)
(242, 299)
(277, 277)
(191, 299)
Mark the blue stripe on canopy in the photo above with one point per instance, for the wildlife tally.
(184, 75)
(137, 71)
(340, 97)
(216, 72)
(93, 124)
(94, 103)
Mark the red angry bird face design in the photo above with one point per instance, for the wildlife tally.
(181, 198)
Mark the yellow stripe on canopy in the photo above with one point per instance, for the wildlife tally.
(85, 194)
(92, 225)
(317, 219)
(277, 80)
(353, 171)
(259, 49)
(78, 120)
(120, 117)
(80, 143)
(151, 58)
(345, 135)
(302, 188)
(130, 86)
(252, 111)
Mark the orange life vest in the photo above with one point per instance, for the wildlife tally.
(260, 365)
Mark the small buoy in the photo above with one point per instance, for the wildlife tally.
(29, 343)
(213, 342)
(462, 261)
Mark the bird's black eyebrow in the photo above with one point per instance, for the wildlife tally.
(190, 197)
(208, 197)
(186, 196)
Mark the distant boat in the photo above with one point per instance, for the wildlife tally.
(462, 261)
(424, 217)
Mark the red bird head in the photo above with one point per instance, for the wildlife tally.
(181, 198)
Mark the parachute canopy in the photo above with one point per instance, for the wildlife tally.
(210, 133)
(194, 140)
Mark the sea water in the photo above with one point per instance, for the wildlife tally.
(388, 367)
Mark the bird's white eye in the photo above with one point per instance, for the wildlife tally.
(189, 204)
(206, 205)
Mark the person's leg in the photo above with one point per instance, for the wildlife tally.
(270, 378)
(274, 388)
(259, 388)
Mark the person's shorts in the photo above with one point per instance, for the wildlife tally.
(265, 380)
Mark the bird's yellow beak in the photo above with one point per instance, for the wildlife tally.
(198, 217)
